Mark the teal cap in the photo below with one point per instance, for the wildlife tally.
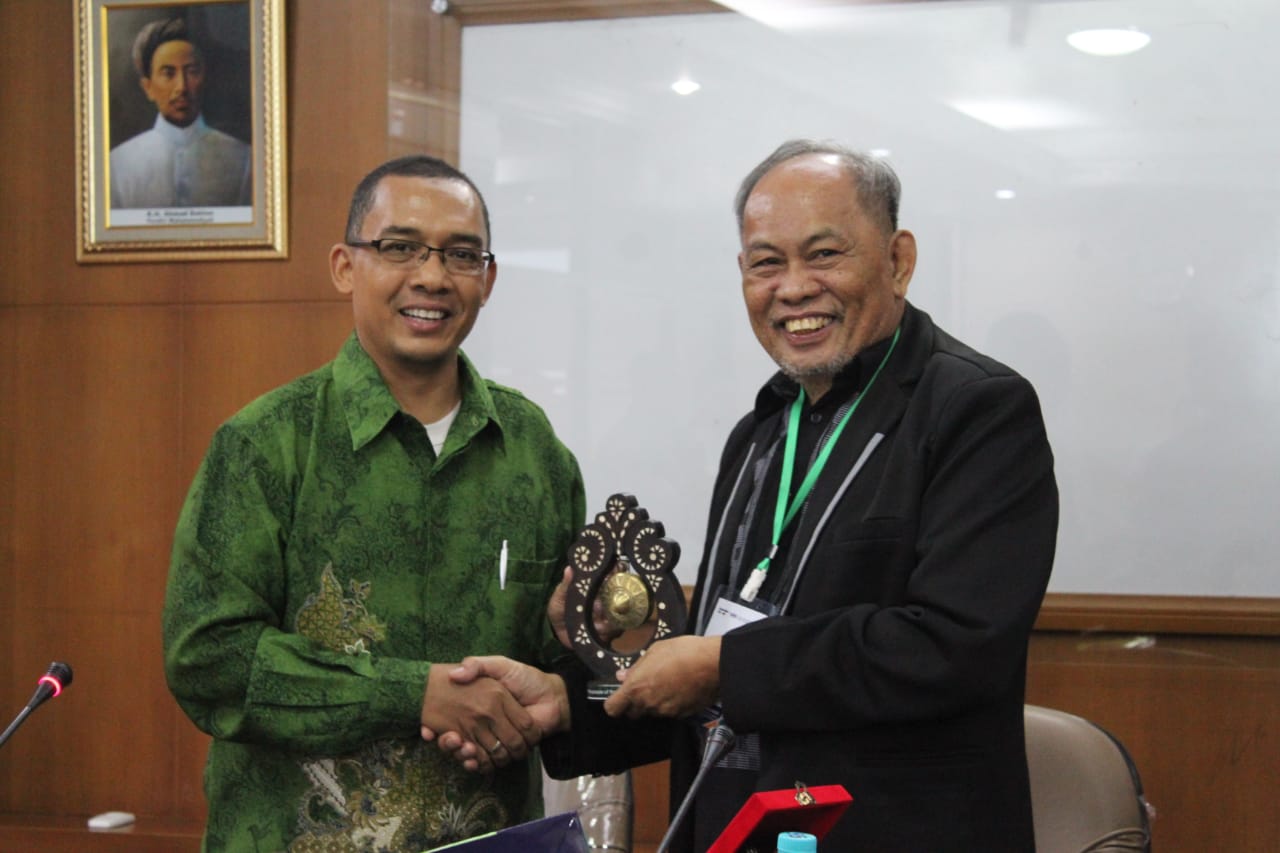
(797, 842)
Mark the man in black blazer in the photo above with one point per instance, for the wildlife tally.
(870, 629)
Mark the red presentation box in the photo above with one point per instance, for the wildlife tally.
(767, 813)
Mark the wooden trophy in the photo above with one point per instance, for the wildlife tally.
(623, 561)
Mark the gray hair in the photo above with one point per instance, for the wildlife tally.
(877, 185)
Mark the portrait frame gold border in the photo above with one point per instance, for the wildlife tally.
(263, 234)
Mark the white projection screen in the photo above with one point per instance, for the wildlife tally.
(1107, 225)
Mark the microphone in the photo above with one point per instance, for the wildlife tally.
(718, 743)
(55, 679)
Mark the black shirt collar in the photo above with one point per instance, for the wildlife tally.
(781, 390)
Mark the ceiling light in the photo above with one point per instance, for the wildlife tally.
(1108, 42)
(880, 153)
(685, 86)
(1005, 195)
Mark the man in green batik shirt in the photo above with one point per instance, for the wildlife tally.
(344, 534)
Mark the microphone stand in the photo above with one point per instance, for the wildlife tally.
(719, 742)
(17, 721)
(51, 684)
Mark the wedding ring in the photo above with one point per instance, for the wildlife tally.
(497, 746)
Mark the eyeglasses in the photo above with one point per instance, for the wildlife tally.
(459, 260)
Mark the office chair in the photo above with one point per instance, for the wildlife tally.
(1086, 795)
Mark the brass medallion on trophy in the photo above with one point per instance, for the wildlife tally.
(623, 567)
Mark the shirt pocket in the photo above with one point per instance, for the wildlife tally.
(859, 563)
(520, 607)
(869, 531)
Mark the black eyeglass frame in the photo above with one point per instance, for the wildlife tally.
(486, 258)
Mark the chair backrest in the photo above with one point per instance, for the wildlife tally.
(1086, 795)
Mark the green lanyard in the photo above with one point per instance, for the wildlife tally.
(783, 513)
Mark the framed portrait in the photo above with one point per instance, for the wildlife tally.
(180, 131)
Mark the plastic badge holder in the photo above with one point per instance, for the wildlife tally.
(767, 813)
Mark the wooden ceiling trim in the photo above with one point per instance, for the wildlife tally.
(481, 12)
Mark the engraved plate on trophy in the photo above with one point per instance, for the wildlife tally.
(623, 567)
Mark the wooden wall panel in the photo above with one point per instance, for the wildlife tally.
(1198, 714)
(649, 785)
(233, 353)
(10, 417)
(103, 744)
(425, 51)
(93, 386)
(112, 379)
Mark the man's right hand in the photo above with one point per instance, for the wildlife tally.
(541, 694)
(485, 712)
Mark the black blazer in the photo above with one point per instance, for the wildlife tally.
(897, 668)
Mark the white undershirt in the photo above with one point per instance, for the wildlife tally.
(439, 431)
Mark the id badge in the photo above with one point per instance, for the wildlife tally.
(730, 612)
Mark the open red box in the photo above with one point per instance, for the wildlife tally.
(767, 813)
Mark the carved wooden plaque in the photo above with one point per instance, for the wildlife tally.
(624, 561)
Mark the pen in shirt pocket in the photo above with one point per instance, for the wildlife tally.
(502, 566)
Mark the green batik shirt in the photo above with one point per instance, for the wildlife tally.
(324, 557)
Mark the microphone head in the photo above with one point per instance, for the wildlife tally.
(723, 733)
(60, 674)
(719, 741)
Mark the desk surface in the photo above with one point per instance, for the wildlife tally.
(70, 834)
(149, 835)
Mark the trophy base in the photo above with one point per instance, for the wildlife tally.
(598, 691)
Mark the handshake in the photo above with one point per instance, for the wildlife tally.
(489, 711)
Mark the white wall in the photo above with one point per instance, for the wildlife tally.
(1133, 278)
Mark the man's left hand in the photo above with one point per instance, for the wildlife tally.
(542, 695)
(674, 678)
